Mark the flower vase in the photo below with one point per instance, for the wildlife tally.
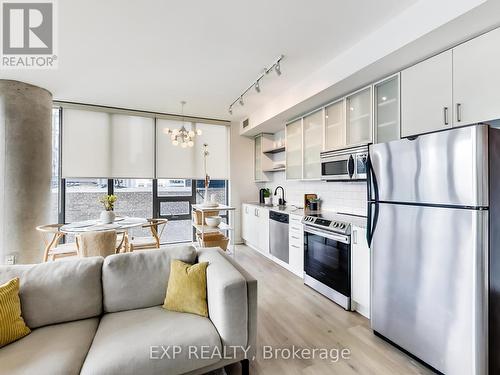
(107, 217)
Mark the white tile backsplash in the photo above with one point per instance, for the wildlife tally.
(349, 197)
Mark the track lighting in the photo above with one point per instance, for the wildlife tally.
(276, 66)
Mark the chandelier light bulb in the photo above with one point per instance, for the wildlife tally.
(191, 133)
(166, 131)
(172, 137)
(175, 131)
(175, 142)
(190, 143)
(198, 131)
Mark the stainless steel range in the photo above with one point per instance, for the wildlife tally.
(327, 256)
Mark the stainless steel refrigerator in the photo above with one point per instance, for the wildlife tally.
(434, 231)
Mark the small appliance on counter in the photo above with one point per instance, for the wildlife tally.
(261, 196)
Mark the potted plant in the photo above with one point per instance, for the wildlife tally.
(267, 196)
(108, 215)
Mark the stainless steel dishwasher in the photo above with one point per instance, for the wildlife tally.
(278, 235)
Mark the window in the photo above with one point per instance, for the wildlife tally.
(135, 199)
(54, 182)
(82, 198)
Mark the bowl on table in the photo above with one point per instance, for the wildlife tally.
(213, 221)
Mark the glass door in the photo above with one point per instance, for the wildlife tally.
(313, 143)
(294, 150)
(359, 120)
(387, 117)
(335, 126)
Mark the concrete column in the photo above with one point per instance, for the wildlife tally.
(25, 169)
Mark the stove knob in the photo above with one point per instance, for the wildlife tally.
(342, 226)
(335, 225)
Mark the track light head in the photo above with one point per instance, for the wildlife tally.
(277, 68)
(257, 86)
(230, 110)
(242, 103)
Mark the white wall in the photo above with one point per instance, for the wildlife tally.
(241, 186)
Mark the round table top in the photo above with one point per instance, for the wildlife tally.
(120, 223)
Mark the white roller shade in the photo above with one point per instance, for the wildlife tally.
(177, 162)
(132, 147)
(98, 144)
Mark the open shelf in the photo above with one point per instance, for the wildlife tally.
(275, 150)
(275, 170)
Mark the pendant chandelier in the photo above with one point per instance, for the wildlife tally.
(182, 136)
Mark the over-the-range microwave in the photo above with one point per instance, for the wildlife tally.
(344, 165)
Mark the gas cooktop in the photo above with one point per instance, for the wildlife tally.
(332, 222)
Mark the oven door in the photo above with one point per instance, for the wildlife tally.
(338, 168)
(327, 259)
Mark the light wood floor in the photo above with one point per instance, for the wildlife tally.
(289, 313)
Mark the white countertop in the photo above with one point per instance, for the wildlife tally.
(357, 220)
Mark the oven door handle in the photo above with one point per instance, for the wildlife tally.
(329, 235)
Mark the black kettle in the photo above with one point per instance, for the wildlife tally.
(261, 196)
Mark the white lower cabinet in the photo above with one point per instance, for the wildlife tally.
(360, 271)
(255, 227)
(296, 245)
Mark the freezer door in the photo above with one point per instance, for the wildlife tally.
(429, 284)
(448, 167)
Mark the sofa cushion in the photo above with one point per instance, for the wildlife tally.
(58, 349)
(12, 326)
(138, 280)
(58, 292)
(131, 342)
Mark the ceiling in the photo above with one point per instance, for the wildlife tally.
(150, 55)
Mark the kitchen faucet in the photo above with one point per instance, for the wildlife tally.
(281, 201)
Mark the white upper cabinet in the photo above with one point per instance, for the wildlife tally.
(426, 96)
(313, 144)
(359, 117)
(386, 110)
(476, 79)
(335, 126)
(294, 150)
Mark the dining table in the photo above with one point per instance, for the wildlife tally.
(121, 224)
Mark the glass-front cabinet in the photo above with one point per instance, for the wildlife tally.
(313, 144)
(294, 150)
(359, 117)
(258, 174)
(335, 126)
(262, 162)
(386, 110)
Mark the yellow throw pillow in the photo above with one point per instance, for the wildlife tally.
(187, 288)
(12, 326)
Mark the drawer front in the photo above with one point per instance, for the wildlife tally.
(295, 228)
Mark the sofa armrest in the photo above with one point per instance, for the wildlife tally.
(231, 300)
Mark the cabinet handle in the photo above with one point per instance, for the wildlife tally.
(295, 238)
(295, 228)
(354, 237)
(445, 112)
(296, 247)
(459, 112)
(256, 212)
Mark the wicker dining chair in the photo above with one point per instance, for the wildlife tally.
(156, 226)
(52, 236)
(102, 243)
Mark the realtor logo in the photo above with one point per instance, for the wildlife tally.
(28, 35)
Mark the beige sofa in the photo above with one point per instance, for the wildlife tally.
(104, 316)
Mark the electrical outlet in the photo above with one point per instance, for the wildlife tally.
(10, 259)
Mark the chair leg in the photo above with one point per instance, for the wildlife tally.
(245, 367)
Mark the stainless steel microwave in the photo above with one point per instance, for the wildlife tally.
(344, 165)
